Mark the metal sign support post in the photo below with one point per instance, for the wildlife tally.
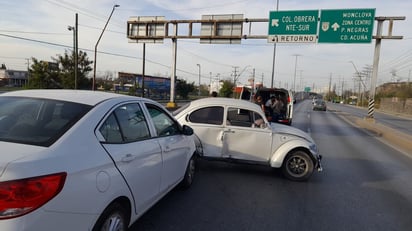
(172, 102)
(379, 37)
(371, 103)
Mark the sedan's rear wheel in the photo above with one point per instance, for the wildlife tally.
(298, 166)
(112, 219)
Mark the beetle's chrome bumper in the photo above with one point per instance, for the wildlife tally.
(319, 165)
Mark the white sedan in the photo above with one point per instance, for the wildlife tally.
(84, 160)
(237, 130)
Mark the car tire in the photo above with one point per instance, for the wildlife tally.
(113, 218)
(189, 173)
(297, 166)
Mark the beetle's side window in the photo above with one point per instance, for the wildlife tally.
(126, 124)
(164, 124)
(239, 117)
(244, 118)
(207, 115)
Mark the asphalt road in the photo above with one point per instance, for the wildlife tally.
(365, 185)
(396, 121)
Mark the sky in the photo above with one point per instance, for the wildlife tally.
(38, 28)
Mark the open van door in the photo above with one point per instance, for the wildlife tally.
(287, 99)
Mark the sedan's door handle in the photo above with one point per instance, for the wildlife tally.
(128, 158)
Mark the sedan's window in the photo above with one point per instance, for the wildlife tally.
(126, 124)
(207, 115)
(165, 126)
(37, 121)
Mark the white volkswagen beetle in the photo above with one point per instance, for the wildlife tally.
(85, 160)
(237, 130)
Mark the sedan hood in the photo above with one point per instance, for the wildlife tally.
(13, 151)
(288, 130)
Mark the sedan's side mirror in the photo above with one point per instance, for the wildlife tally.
(188, 131)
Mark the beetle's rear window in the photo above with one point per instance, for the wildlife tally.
(37, 121)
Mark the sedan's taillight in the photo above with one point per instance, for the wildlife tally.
(19, 197)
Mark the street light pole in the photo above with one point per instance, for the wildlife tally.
(199, 79)
(95, 48)
(71, 28)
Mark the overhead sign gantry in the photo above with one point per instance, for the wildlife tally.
(303, 26)
(346, 26)
(293, 26)
(333, 26)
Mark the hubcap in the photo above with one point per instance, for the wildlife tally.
(297, 165)
(114, 223)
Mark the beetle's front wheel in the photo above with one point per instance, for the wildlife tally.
(298, 166)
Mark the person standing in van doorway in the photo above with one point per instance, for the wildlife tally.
(277, 108)
(266, 111)
(259, 101)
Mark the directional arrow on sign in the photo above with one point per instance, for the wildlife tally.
(335, 26)
(275, 22)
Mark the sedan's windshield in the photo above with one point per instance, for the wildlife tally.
(37, 121)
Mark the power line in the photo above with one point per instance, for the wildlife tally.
(90, 50)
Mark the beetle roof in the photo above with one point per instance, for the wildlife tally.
(218, 101)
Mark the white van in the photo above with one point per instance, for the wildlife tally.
(285, 95)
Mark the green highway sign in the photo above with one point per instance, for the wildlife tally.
(346, 26)
(293, 26)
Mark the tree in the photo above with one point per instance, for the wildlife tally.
(66, 63)
(106, 82)
(183, 88)
(227, 89)
(43, 75)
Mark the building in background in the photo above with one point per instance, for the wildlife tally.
(154, 87)
(12, 78)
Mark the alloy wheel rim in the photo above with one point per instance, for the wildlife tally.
(297, 166)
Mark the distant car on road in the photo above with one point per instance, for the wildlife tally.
(319, 105)
(85, 160)
(237, 130)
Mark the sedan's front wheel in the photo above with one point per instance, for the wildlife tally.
(298, 166)
(190, 173)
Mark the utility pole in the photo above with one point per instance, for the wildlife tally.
(294, 76)
(235, 75)
(76, 50)
(199, 79)
(143, 68)
(378, 40)
(28, 71)
(330, 85)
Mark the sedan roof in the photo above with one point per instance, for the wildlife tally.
(78, 96)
